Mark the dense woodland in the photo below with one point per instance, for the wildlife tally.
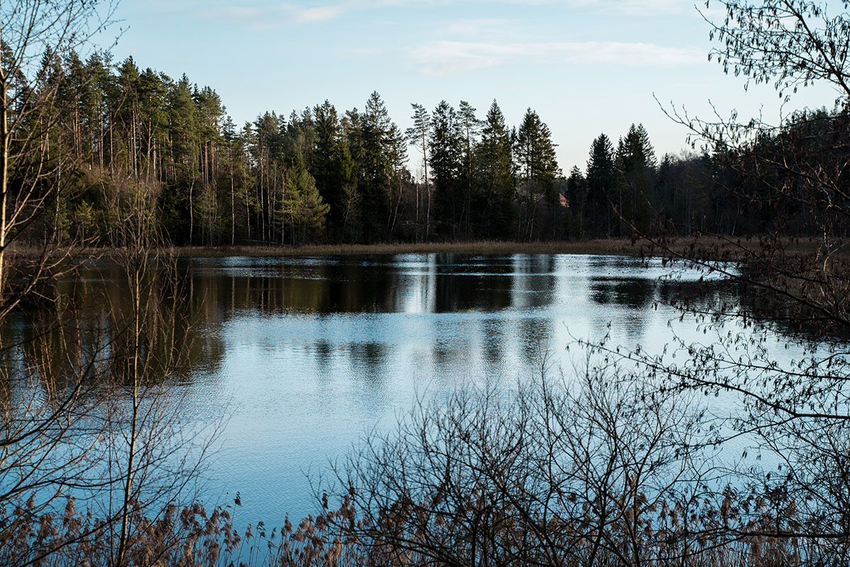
(122, 137)
(623, 459)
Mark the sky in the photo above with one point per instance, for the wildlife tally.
(586, 66)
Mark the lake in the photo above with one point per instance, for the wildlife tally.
(303, 356)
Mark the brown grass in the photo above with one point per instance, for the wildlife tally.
(600, 246)
(707, 247)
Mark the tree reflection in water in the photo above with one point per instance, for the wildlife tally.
(308, 353)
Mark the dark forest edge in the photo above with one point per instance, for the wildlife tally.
(118, 139)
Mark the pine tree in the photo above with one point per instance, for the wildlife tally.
(153, 95)
(327, 165)
(95, 107)
(601, 185)
(352, 127)
(495, 178)
(636, 165)
(399, 176)
(470, 127)
(183, 134)
(350, 202)
(537, 170)
(577, 199)
(267, 151)
(209, 113)
(128, 81)
(376, 167)
(417, 135)
(446, 144)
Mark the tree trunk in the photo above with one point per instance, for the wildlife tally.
(232, 204)
(4, 178)
(427, 187)
(134, 425)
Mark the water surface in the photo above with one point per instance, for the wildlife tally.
(306, 355)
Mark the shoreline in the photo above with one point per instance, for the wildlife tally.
(596, 246)
(708, 247)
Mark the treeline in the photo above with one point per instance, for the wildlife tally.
(130, 138)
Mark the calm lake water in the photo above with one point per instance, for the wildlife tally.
(305, 355)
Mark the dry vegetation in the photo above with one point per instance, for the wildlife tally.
(707, 248)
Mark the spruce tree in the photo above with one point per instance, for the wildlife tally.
(495, 177)
(577, 199)
(636, 164)
(376, 168)
(446, 146)
(326, 166)
(470, 127)
(601, 185)
(183, 134)
(537, 170)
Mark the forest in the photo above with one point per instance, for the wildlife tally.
(120, 137)
(726, 445)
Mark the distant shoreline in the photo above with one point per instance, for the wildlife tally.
(712, 247)
(596, 246)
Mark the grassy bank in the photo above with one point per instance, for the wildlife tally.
(706, 247)
(600, 246)
(709, 248)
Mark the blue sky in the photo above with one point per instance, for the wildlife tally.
(586, 66)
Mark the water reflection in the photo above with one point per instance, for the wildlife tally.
(436, 283)
(307, 353)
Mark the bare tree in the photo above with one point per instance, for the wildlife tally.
(797, 170)
(598, 470)
(34, 37)
(794, 277)
(93, 419)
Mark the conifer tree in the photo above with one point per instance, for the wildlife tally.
(399, 176)
(636, 164)
(417, 135)
(377, 172)
(577, 198)
(95, 107)
(326, 163)
(495, 178)
(601, 185)
(153, 94)
(301, 209)
(183, 134)
(128, 81)
(470, 127)
(537, 169)
(446, 146)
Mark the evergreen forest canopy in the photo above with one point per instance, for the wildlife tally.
(123, 138)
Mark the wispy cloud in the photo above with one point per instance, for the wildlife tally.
(450, 57)
(317, 14)
(479, 27)
(267, 13)
(634, 7)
